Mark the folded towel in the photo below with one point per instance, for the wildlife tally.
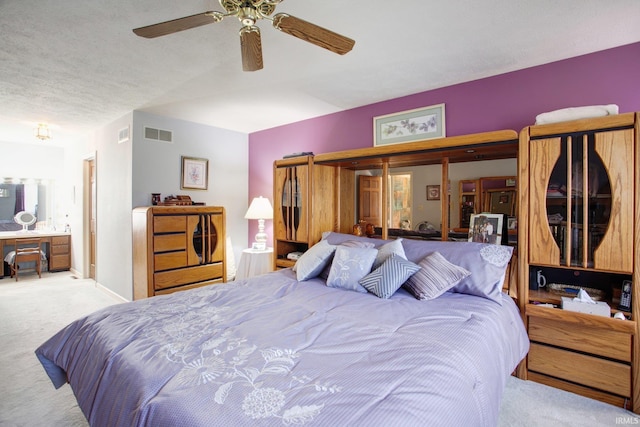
(575, 113)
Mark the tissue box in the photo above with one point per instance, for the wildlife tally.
(600, 308)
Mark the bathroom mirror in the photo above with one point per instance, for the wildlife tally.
(32, 197)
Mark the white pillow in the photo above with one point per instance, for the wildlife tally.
(388, 249)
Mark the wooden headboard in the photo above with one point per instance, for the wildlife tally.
(510, 284)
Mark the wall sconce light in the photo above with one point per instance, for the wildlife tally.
(42, 132)
(260, 209)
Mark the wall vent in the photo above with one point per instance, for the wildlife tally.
(123, 135)
(158, 135)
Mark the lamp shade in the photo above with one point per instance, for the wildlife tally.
(260, 208)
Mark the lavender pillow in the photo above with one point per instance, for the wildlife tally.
(435, 277)
(349, 266)
(487, 264)
(339, 238)
(311, 263)
(349, 243)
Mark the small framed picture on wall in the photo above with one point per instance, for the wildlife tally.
(433, 192)
(195, 173)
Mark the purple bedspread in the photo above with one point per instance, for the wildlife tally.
(273, 351)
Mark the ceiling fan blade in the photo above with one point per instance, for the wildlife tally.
(312, 33)
(251, 45)
(180, 24)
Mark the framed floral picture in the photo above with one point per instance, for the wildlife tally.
(409, 126)
(195, 173)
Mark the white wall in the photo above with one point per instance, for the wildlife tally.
(113, 162)
(157, 168)
(40, 161)
(37, 160)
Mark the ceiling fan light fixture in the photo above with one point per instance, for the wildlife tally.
(42, 132)
(248, 16)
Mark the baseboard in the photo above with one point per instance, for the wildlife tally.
(111, 293)
(99, 286)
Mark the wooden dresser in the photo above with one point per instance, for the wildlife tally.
(177, 248)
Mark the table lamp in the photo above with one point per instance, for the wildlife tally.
(260, 209)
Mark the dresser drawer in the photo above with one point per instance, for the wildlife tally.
(580, 368)
(60, 262)
(60, 240)
(59, 249)
(169, 242)
(588, 339)
(185, 287)
(169, 223)
(169, 260)
(201, 273)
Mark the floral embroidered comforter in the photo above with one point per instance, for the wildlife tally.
(274, 351)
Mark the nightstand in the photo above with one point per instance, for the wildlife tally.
(254, 262)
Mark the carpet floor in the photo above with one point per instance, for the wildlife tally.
(32, 310)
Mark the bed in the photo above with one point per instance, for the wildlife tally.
(277, 350)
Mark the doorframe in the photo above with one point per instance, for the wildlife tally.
(86, 214)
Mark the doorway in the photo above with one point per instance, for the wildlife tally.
(400, 200)
(370, 200)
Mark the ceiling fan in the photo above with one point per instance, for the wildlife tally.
(249, 12)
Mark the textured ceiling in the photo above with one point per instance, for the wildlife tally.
(77, 65)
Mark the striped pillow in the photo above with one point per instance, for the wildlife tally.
(388, 278)
(436, 276)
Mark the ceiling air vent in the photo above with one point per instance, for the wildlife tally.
(158, 134)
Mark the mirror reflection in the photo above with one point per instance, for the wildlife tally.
(416, 192)
(29, 197)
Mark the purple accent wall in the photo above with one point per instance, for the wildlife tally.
(506, 101)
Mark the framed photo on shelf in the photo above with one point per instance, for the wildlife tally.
(433, 192)
(409, 126)
(487, 228)
(195, 173)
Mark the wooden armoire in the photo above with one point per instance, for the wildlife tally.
(177, 248)
(579, 228)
